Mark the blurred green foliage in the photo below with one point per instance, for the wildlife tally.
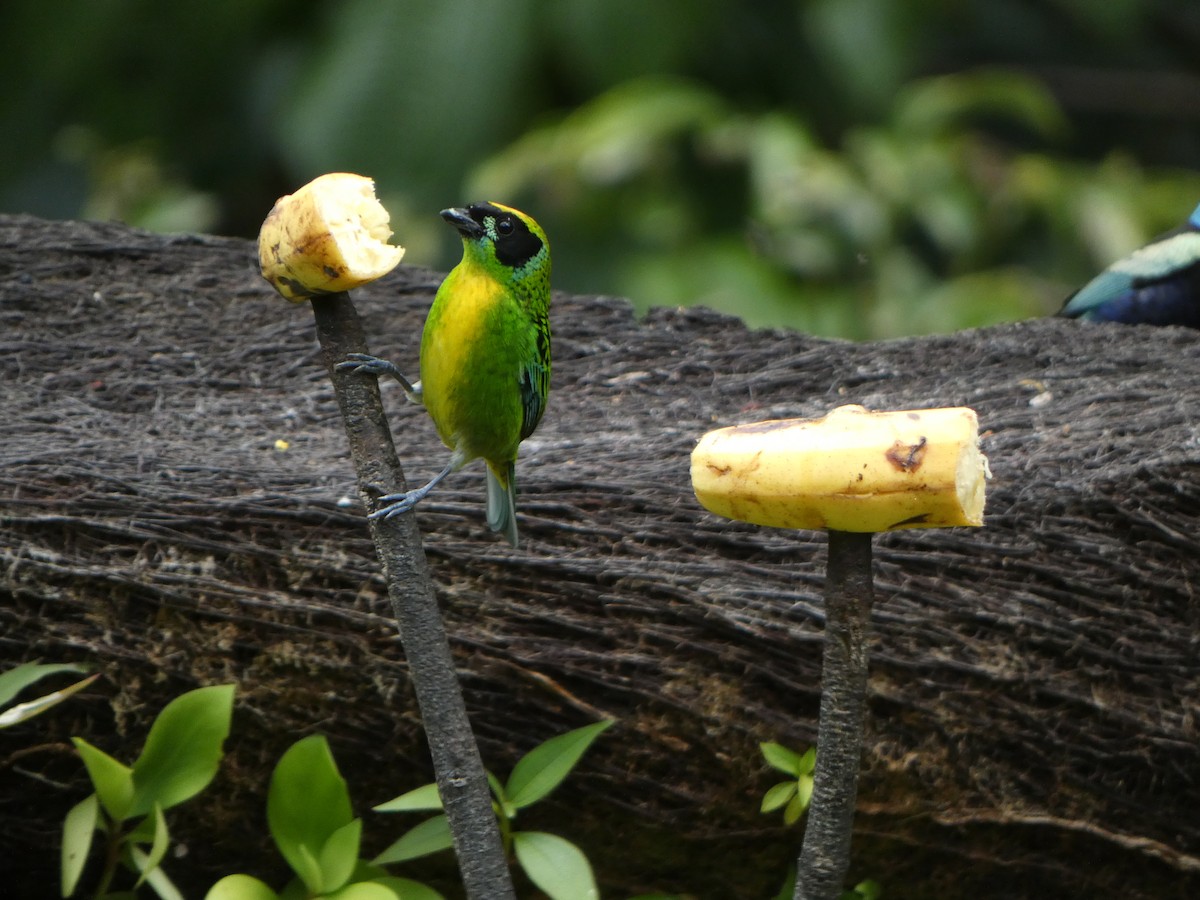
(862, 168)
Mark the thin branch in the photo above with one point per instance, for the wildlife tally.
(849, 594)
(458, 768)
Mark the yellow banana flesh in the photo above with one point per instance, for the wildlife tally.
(331, 235)
(853, 470)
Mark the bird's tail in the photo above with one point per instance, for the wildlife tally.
(502, 501)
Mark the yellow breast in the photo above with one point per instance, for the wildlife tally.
(458, 322)
(465, 358)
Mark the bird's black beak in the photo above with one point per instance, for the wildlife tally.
(462, 221)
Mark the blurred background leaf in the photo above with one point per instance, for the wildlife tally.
(860, 168)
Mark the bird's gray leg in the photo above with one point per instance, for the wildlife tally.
(365, 364)
(403, 502)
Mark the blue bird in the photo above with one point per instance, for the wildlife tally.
(1156, 285)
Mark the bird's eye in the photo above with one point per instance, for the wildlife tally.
(504, 226)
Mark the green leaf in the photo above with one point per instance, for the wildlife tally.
(804, 790)
(940, 103)
(781, 758)
(339, 856)
(78, 829)
(240, 887)
(307, 867)
(612, 138)
(794, 810)
(155, 877)
(431, 836)
(864, 890)
(17, 679)
(808, 762)
(183, 749)
(420, 799)
(555, 865)
(306, 803)
(143, 832)
(31, 708)
(507, 810)
(112, 780)
(544, 767)
(363, 890)
(404, 888)
(407, 889)
(368, 871)
(159, 845)
(777, 796)
(789, 885)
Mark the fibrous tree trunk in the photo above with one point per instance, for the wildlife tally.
(1034, 685)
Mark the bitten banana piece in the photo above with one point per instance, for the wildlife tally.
(330, 236)
(853, 470)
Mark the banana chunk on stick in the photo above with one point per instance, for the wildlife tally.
(853, 470)
(330, 236)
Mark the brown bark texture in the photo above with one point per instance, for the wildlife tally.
(1034, 684)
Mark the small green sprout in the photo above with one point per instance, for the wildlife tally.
(554, 864)
(793, 795)
(181, 756)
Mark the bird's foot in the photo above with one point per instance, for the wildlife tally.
(402, 502)
(366, 364)
(397, 504)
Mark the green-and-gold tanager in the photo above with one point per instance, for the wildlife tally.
(485, 354)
